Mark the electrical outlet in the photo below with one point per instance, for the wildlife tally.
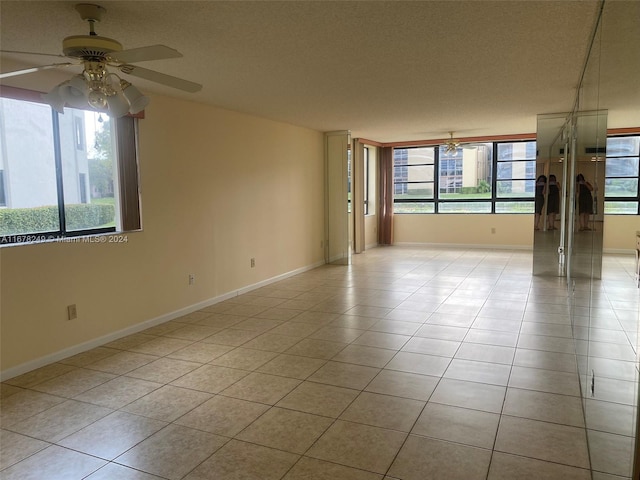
(493, 229)
(253, 262)
(72, 312)
(192, 278)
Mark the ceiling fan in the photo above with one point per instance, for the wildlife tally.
(452, 145)
(97, 86)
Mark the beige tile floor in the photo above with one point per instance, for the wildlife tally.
(413, 363)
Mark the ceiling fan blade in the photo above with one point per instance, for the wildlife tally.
(162, 78)
(16, 52)
(34, 69)
(144, 54)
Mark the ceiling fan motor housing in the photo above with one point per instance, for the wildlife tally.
(89, 47)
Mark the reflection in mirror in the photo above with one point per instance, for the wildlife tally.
(550, 218)
(568, 222)
(589, 172)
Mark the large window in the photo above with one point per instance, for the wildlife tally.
(434, 180)
(515, 179)
(64, 174)
(622, 172)
(439, 180)
(414, 179)
(464, 179)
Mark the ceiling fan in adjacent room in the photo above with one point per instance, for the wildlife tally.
(98, 87)
(453, 144)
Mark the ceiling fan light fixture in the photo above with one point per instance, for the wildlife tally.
(97, 100)
(136, 99)
(54, 99)
(105, 93)
(118, 106)
(74, 92)
(451, 146)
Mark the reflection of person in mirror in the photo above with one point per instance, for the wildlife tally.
(541, 190)
(585, 202)
(553, 202)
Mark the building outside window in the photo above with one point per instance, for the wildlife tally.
(465, 179)
(82, 178)
(414, 179)
(400, 171)
(516, 175)
(78, 123)
(3, 196)
(433, 179)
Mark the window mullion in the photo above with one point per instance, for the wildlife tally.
(436, 179)
(57, 154)
(494, 177)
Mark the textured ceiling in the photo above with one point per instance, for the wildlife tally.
(386, 70)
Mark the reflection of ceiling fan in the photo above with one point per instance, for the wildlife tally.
(97, 87)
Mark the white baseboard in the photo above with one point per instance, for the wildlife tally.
(618, 251)
(138, 327)
(611, 251)
(464, 245)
